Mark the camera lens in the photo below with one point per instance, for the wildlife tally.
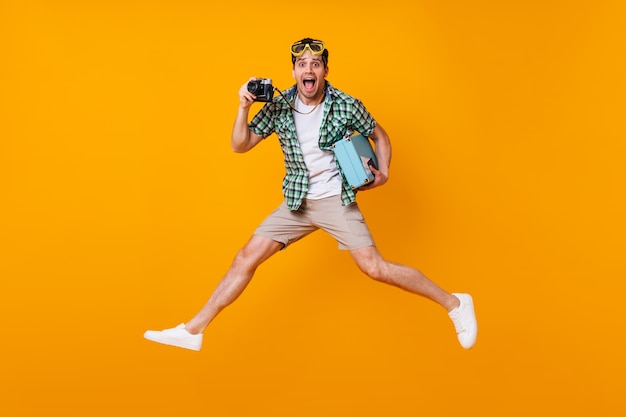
(253, 86)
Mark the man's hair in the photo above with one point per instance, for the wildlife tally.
(309, 40)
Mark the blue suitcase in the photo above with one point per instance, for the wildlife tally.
(355, 155)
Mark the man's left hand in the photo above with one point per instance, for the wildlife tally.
(379, 179)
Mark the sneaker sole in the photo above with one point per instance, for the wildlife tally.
(156, 339)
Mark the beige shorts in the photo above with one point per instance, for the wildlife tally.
(345, 223)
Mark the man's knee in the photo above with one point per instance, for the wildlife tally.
(372, 264)
(242, 258)
(255, 252)
(374, 267)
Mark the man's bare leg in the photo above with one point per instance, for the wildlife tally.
(189, 335)
(460, 307)
(370, 261)
(254, 253)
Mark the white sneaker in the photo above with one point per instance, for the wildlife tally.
(464, 320)
(178, 336)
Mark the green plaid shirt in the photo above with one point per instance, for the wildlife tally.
(343, 115)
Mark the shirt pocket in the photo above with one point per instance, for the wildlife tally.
(282, 127)
(285, 130)
(287, 137)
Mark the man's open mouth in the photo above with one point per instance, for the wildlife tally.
(308, 83)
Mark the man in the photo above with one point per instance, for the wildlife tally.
(308, 119)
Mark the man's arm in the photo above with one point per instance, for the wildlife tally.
(383, 156)
(243, 139)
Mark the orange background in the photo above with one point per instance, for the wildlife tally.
(122, 206)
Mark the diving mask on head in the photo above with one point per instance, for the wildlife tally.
(316, 47)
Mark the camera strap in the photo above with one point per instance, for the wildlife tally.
(292, 106)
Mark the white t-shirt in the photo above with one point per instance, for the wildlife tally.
(324, 177)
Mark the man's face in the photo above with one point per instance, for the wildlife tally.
(310, 74)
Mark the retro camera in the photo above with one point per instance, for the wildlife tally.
(262, 88)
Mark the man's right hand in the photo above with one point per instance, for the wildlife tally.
(246, 98)
(242, 139)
